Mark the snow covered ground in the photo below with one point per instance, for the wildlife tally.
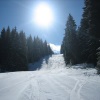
(52, 82)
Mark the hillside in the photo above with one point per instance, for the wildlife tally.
(53, 81)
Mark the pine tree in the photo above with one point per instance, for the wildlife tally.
(23, 51)
(5, 48)
(13, 51)
(98, 62)
(2, 48)
(45, 48)
(36, 49)
(93, 30)
(87, 42)
(50, 50)
(69, 44)
(83, 35)
(30, 49)
(94, 25)
(94, 18)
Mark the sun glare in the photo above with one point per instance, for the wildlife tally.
(43, 15)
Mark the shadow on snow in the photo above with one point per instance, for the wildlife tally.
(38, 64)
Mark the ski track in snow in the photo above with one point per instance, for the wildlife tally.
(53, 81)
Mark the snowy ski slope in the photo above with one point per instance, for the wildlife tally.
(52, 82)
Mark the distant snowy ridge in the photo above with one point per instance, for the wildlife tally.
(55, 48)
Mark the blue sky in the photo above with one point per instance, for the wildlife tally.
(19, 13)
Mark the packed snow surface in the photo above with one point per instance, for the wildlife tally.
(53, 81)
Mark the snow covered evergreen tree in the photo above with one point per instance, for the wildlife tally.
(69, 44)
(87, 42)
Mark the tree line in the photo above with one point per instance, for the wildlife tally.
(16, 51)
(82, 44)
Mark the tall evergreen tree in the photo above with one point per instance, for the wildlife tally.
(94, 25)
(45, 48)
(69, 44)
(30, 49)
(23, 51)
(94, 18)
(50, 50)
(2, 49)
(87, 42)
(83, 35)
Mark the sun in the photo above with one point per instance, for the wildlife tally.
(43, 15)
